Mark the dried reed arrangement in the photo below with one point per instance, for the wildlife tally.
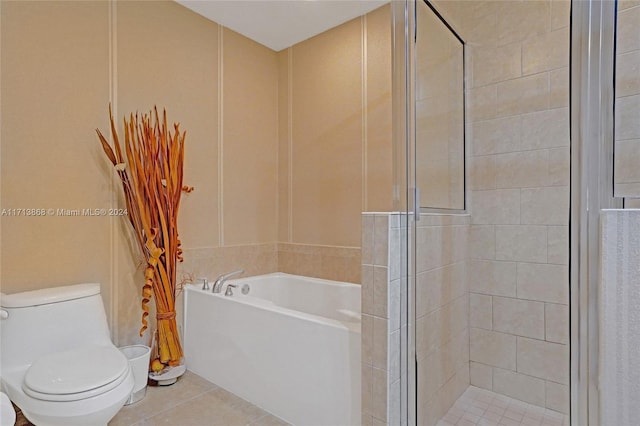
(151, 177)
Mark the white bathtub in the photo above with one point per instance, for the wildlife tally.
(290, 346)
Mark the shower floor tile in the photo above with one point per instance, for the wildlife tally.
(485, 408)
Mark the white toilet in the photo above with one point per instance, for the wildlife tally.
(57, 360)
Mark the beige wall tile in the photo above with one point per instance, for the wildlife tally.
(632, 204)
(493, 278)
(366, 386)
(500, 206)
(481, 375)
(327, 262)
(523, 95)
(367, 339)
(381, 240)
(559, 167)
(380, 294)
(557, 397)
(627, 153)
(545, 206)
(480, 311)
(482, 172)
(523, 243)
(544, 360)
(496, 136)
(546, 129)
(519, 317)
(367, 289)
(627, 125)
(522, 20)
(546, 52)
(627, 37)
(627, 70)
(559, 88)
(543, 282)
(493, 64)
(626, 4)
(558, 245)
(522, 169)
(482, 240)
(560, 13)
(492, 348)
(367, 244)
(380, 339)
(430, 250)
(519, 386)
(556, 319)
(379, 394)
(482, 103)
(437, 287)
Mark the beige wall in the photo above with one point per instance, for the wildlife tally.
(53, 99)
(55, 90)
(627, 103)
(251, 171)
(335, 144)
(518, 160)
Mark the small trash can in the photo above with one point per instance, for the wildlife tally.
(138, 356)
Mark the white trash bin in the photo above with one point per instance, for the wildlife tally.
(138, 356)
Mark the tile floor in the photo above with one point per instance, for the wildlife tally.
(485, 408)
(192, 401)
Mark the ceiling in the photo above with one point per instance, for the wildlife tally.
(279, 24)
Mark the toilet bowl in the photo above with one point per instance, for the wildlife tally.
(58, 362)
(7, 413)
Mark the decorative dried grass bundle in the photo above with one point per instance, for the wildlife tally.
(151, 177)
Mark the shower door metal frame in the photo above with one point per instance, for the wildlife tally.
(592, 96)
(403, 101)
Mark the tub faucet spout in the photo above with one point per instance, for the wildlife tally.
(217, 285)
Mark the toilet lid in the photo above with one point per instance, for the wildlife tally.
(76, 371)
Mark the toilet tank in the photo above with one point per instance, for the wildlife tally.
(50, 320)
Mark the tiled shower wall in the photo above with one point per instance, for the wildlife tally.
(442, 313)
(627, 102)
(518, 92)
(442, 305)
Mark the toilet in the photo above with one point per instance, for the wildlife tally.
(57, 360)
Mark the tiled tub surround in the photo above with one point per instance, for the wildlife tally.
(518, 167)
(327, 262)
(627, 101)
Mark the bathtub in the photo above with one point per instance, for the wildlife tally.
(290, 346)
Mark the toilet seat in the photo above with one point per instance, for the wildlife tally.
(76, 374)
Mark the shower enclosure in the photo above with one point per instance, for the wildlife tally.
(501, 173)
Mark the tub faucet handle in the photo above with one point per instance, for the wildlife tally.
(205, 283)
(217, 285)
(229, 291)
